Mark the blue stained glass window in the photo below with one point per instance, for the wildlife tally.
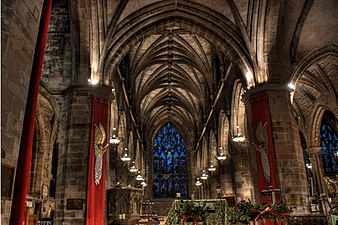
(329, 144)
(170, 169)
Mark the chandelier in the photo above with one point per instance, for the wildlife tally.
(133, 168)
(221, 155)
(114, 140)
(239, 137)
(139, 176)
(125, 157)
(198, 182)
(204, 175)
(143, 183)
(211, 167)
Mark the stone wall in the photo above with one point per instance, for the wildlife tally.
(57, 66)
(19, 28)
(289, 153)
(74, 139)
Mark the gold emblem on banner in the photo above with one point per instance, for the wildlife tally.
(263, 147)
(99, 150)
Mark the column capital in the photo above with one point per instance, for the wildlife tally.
(314, 150)
(103, 91)
(264, 88)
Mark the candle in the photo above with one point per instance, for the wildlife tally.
(273, 197)
(120, 216)
(252, 195)
(178, 195)
(192, 197)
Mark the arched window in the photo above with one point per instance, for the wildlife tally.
(170, 170)
(329, 144)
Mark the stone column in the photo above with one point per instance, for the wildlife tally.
(318, 173)
(242, 176)
(289, 160)
(74, 139)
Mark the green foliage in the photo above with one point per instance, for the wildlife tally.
(191, 208)
(246, 211)
(243, 212)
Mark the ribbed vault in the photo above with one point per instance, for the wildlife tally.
(174, 68)
(172, 77)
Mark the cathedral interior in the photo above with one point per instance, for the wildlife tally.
(113, 109)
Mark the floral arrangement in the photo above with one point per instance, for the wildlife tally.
(193, 209)
(246, 211)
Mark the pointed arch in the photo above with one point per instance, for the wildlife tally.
(122, 132)
(114, 116)
(213, 147)
(223, 132)
(238, 120)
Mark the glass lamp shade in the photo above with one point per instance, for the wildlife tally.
(238, 138)
(133, 169)
(114, 140)
(125, 157)
(212, 167)
(198, 182)
(143, 183)
(221, 156)
(204, 175)
(139, 176)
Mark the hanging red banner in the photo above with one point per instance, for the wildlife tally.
(97, 163)
(265, 152)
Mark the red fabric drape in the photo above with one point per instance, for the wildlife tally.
(26, 145)
(96, 193)
(260, 112)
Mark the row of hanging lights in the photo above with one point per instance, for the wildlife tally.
(211, 168)
(126, 158)
(114, 140)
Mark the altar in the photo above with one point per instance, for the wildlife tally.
(124, 205)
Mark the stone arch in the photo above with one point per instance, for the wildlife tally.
(194, 18)
(184, 131)
(45, 136)
(238, 120)
(314, 131)
(36, 160)
(329, 147)
(113, 118)
(204, 156)
(223, 132)
(138, 155)
(311, 58)
(131, 146)
(212, 153)
(122, 132)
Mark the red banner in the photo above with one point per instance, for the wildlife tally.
(265, 152)
(96, 192)
(21, 185)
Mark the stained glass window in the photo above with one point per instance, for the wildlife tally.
(329, 144)
(169, 160)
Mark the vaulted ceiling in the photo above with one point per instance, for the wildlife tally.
(172, 77)
(175, 56)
